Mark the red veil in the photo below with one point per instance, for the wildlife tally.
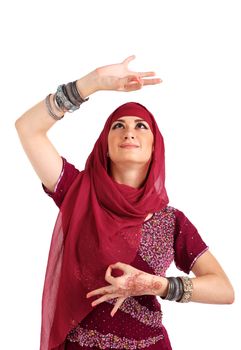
(99, 223)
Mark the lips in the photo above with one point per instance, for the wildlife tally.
(128, 145)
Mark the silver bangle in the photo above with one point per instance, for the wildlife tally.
(175, 290)
(188, 289)
(56, 104)
(49, 108)
(60, 97)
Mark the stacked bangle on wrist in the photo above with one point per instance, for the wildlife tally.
(188, 289)
(50, 110)
(179, 289)
(66, 99)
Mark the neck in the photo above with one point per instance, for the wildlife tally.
(131, 175)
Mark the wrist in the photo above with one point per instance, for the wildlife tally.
(159, 286)
(88, 84)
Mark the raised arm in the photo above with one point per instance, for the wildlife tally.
(33, 125)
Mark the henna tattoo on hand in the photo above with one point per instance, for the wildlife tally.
(139, 284)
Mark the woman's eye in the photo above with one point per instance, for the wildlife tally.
(141, 124)
(138, 125)
(117, 125)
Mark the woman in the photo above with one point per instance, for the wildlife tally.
(115, 235)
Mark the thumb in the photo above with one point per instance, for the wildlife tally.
(129, 59)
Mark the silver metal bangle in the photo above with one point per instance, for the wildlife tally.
(76, 92)
(70, 107)
(173, 289)
(49, 108)
(56, 104)
(188, 289)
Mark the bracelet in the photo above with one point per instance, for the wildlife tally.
(179, 289)
(56, 104)
(76, 92)
(63, 100)
(188, 289)
(66, 99)
(175, 290)
(49, 108)
(71, 96)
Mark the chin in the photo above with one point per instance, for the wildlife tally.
(132, 161)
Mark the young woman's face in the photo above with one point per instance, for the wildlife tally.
(130, 140)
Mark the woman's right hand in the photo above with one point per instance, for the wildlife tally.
(119, 77)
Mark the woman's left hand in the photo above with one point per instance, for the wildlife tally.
(133, 282)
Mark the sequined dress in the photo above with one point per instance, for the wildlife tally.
(166, 237)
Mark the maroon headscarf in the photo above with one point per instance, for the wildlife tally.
(99, 223)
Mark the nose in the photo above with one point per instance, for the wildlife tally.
(128, 134)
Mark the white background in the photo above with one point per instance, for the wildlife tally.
(194, 46)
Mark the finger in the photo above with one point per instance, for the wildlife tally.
(152, 81)
(129, 83)
(104, 298)
(120, 264)
(133, 85)
(117, 305)
(129, 59)
(150, 74)
(146, 74)
(100, 291)
(108, 277)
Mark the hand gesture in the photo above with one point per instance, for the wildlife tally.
(133, 282)
(120, 78)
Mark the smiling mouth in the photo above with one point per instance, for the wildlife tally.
(129, 146)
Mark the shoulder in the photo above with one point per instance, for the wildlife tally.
(168, 210)
(172, 215)
(166, 216)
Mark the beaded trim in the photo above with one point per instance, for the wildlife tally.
(198, 256)
(91, 338)
(140, 312)
(61, 175)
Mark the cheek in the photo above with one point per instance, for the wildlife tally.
(150, 143)
(111, 141)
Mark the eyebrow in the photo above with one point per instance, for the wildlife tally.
(136, 121)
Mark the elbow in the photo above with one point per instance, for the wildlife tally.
(224, 291)
(18, 123)
(230, 295)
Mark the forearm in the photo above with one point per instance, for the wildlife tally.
(209, 289)
(37, 120)
(212, 289)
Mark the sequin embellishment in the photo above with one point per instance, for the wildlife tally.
(91, 338)
(156, 246)
(140, 312)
